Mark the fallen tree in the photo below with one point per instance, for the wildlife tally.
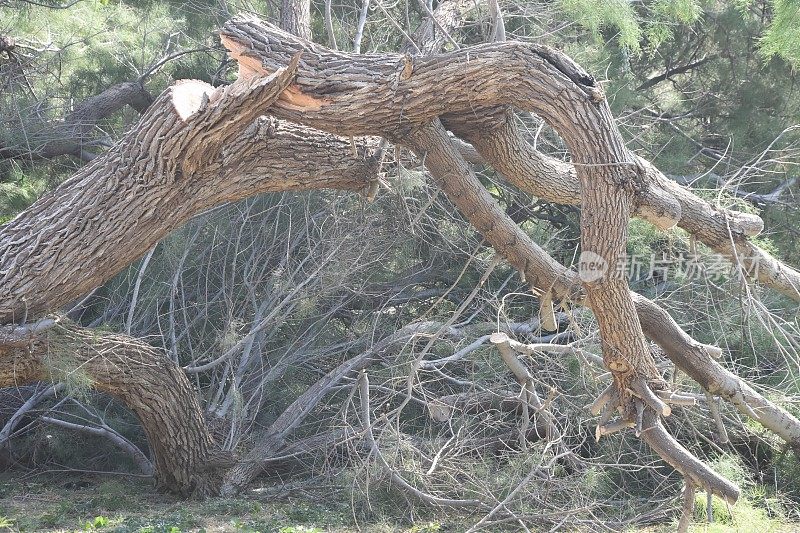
(198, 146)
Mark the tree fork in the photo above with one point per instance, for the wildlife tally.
(384, 96)
(662, 202)
(387, 95)
(462, 187)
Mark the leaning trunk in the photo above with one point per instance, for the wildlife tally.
(144, 379)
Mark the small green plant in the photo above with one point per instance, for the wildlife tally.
(305, 513)
(6, 522)
(756, 510)
(97, 523)
(58, 514)
(239, 525)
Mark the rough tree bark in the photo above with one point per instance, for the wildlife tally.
(172, 166)
(504, 147)
(390, 92)
(185, 457)
(296, 17)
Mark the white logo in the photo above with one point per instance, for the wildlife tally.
(591, 267)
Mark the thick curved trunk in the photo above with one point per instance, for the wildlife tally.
(386, 95)
(388, 98)
(171, 166)
(145, 380)
(394, 99)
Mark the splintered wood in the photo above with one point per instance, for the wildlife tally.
(250, 67)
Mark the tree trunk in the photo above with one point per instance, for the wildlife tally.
(724, 231)
(173, 165)
(145, 380)
(533, 78)
(385, 95)
(296, 18)
(197, 147)
(465, 191)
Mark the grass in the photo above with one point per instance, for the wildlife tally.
(131, 505)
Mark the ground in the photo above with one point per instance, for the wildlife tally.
(57, 502)
(91, 503)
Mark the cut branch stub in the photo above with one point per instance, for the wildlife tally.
(232, 109)
(189, 96)
(642, 391)
(529, 396)
(500, 340)
(547, 312)
(608, 395)
(677, 398)
(612, 427)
